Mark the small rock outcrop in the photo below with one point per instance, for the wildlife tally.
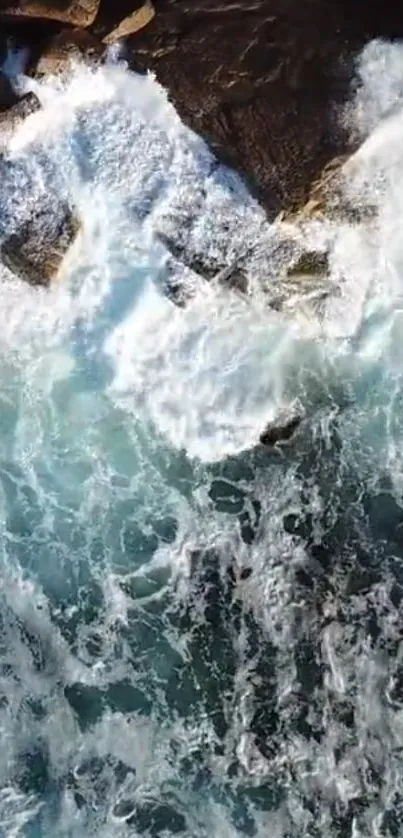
(282, 428)
(36, 251)
(35, 248)
(131, 24)
(13, 116)
(58, 51)
(261, 81)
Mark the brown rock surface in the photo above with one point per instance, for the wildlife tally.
(10, 118)
(59, 50)
(74, 12)
(36, 251)
(260, 79)
(137, 20)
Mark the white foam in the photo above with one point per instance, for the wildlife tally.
(116, 147)
(209, 377)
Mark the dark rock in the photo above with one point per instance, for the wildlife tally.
(329, 197)
(260, 80)
(36, 251)
(34, 777)
(181, 253)
(8, 97)
(280, 430)
(155, 819)
(230, 276)
(226, 497)
(21, 108)
(70, 44)
(127, 16)
(73, 12)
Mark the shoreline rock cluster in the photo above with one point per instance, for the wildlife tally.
(263, 82)
(260, 81)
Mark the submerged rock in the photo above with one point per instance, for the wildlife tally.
(282, 428)
(68, 45)
(311, 265)
(36, 251)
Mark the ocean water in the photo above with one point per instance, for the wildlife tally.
(199, 637)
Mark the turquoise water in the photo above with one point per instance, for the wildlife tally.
(198, 636)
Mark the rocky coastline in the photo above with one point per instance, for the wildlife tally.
(262, 81)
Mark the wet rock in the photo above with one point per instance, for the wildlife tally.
(304, 286)
(227, 497)
(324, 192)
(12, 117)
(260, 81)
(310, 265)
(73, 12)
(281, 429)
(361, 580)
(329, 197)
(231, 276)
(68, 45)
(35, 253)
(155, 819)
(135, 21)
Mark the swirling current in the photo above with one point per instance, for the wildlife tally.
(199, 636)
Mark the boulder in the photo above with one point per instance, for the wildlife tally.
(232, 276)
(137, 20)
(35, 252)
(305, 285)
(58, 51)
(260, 80)
(282, 428)
(73, 12)
(13, 116)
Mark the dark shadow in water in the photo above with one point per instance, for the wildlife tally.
(352, 546)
